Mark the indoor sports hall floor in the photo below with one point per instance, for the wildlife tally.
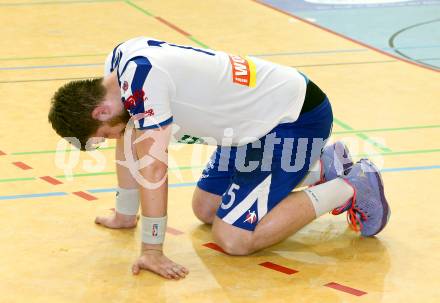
(385, 107)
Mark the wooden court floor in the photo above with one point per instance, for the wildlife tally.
(50, 249)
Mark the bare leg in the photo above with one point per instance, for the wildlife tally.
(205, 205)
(289, 216)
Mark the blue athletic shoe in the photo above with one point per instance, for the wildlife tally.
(368, 210)
(335, 161)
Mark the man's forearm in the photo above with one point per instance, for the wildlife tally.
(125, 179)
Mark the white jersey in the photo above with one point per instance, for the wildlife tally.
(210, 96)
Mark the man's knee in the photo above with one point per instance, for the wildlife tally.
(232, 240)
(205, 205)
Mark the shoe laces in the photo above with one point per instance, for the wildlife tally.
(355, 215)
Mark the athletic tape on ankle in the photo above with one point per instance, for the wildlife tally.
(153, 230)
(127, 201)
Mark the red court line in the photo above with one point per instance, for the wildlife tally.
(346, 37)
(85, 195)
(2, 153)
(22, 165)
(349, 290)
(175, 27)
(214, 247)
(174, 231)
(51, 180)
(284, 270)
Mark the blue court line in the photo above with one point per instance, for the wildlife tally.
(27, 196)
(113, 189)
(190, 184)
(50, 66)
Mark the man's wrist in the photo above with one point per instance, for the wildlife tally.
(151, 249)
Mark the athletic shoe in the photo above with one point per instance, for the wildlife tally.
(368, 210)
(335, 162)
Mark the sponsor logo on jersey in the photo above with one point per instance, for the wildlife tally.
(134, 100)
(125, 86)
(149, 112)
(243, 70)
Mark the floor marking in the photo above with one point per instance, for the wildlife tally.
(22, 165)
(169, 24)
(50, 57)
(349, 290)
(407, 152)
(174, 185)
(27, 196)
(85, 195)
(54, 151)
(388, 129)
(174, 231)
(51, 180)
(345, 37)
(139, 8)
(362, 136)
(214, 247)
(87, 174)
(190, 184)
(334, 51)
(16, 179)
(56, 2)
(198, 42)
(292, 53)
(352, 131)
(102, 190)
(398, 169)
(280, 268)
(45, 80)
(50, 66)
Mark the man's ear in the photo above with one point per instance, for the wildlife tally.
(102, 112)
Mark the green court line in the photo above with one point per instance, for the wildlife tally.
(50, 57)
(142, 10)
(86, 174)
(178, 168)
(405, 152)
(56, 2)
(54, 151)
(17, 179)
(139, 8)
(389, 129)
(198, 42)
(353, 131)
(364, 137)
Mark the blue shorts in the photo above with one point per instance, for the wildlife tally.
(252, 179)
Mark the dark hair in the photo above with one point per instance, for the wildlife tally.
(71, 110)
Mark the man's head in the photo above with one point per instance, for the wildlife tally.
(88, 108)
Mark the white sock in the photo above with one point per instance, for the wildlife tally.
(313, 176)
(329, 195)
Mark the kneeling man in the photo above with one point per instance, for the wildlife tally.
(269, 122)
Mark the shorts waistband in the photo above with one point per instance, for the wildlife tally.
(314, 97)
